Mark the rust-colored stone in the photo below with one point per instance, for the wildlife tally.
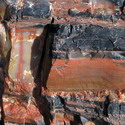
(86, 74)
(66, 69)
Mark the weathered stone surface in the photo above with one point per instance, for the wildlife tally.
(83, 44)
(78, 49)
(77, 107)
(76, 62)
(23, 9)
(100, 9)
(68, 70)
(89, 37)
(24, 41)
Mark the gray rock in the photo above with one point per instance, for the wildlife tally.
(83, 120)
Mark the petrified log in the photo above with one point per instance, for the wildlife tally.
(66, 70)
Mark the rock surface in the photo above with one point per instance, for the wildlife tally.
(62, 62)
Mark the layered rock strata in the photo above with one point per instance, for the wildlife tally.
(62, 63)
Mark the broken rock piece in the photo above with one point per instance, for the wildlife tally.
(30, 9)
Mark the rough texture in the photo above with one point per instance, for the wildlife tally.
(62, 62)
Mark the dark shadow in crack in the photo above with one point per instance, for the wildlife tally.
(2, 81)
(41, 66)
(76, 121)
(2, 77)
(7, 47)
(106, 105)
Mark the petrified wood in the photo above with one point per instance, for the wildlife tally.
(62, 62)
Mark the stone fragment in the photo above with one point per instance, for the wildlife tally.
(58, 102)
(23, 59)
(29, 9)
(39, 9)
(84, 120)
(93, 42)
(73, 12)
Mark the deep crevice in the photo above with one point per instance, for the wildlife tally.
(44, 44)
(106, 105)
(41, 75)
